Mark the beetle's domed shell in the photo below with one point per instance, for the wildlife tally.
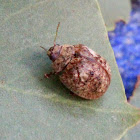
(87, 74)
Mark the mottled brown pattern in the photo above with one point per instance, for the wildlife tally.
(83, 71)
(63, 55)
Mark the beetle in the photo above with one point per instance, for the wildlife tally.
(80, 69)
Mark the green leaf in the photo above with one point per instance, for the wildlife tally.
(115, 10)
(36, 108)
(134, 134)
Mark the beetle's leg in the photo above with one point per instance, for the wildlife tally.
(47, 75)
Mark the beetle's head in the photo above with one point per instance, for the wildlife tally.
(54, 52)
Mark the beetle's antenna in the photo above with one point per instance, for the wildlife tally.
(56, 33)
(43, 48)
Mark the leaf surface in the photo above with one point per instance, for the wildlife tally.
(134, 134)
(115, 10)
(36, 108)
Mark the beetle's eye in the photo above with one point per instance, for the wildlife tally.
(52, 58)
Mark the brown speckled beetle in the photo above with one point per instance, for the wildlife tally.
(83, 71)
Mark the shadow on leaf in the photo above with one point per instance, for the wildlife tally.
(39, 64)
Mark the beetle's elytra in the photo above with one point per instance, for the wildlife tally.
(83, 71)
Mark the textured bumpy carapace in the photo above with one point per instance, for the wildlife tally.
(80, 69)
